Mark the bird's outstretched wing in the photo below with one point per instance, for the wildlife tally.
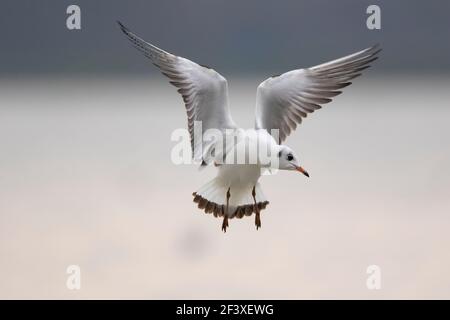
(204, 91)
(282, 101)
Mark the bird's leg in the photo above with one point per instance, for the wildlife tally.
(225, 223)
(225, 214)
(257, 213)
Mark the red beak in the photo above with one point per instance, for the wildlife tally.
(302, 171)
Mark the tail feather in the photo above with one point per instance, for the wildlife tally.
(211, 198)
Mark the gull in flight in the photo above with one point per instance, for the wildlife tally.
(282, 102)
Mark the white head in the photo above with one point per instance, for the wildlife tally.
(287, 160)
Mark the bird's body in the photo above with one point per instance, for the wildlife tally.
(235, 191)
(242, 155)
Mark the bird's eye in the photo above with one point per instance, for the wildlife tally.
(290, 157)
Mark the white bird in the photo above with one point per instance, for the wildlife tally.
(282, 102)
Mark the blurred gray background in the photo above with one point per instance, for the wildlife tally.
(86, 176)
(235, 37)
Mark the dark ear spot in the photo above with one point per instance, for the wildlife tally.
(279, 154)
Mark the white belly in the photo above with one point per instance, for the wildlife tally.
(239, 179)
(239, 175)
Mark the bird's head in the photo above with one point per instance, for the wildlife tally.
(287, 160)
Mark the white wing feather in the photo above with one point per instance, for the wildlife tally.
(283, 101)
(204, 91)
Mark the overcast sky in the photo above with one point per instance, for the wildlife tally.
(234, 37)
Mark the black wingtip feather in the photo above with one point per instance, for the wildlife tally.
(122, 27)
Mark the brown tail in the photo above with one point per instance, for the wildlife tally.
(218, 210)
